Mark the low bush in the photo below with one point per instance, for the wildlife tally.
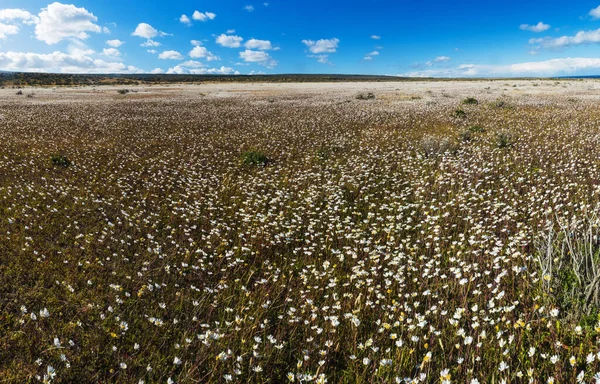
(254, 158)
(60, 160)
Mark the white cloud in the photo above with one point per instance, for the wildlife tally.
(370, 55)
(185, 20)
(200, 52)
(59, 62)
(260, 57)
(192, 64)
(442, 59)
(539, 27)
(170, 55)
(12, 14)
(116, 43)
(595, 13)
(61, 21)
(582, 37)
(111, 52)
(439, 59)
(152, 51)
(323, 59)
(552, 67)
(230, 31)
(322, 46)
(157, 71)
(263, 45)
(8, 29)
(249, 8)
(148, 32)
(375, 37)
(182, 70)
(203, 16)
(145, 30)
(150, 43)
(229, 41)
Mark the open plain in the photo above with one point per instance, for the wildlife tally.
(320, 232)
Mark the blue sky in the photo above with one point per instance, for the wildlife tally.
(414, 38)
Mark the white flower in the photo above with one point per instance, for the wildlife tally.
(123, 366)
(177, 361)
(503, 366)
(366, 361)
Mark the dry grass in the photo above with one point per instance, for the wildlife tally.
(353, 256)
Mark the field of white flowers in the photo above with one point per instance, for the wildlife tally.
(266, 233)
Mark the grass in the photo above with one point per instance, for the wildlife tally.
(356, 256)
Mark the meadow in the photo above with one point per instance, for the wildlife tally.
(423, 232)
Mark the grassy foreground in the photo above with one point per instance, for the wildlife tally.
(311, 237)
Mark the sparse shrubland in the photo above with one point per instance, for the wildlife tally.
(379, 245)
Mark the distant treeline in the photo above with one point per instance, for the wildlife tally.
(47, 79)
(21, 79)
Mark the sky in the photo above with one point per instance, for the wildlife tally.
(435, 38)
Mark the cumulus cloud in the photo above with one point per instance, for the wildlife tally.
(148, 32)
(259, 57)
(170, 55)
(145, 30)
(263, 45)
(157, 71)
(8, 29)
(182, 70)
(375, 37)
(60, 62)
(10, 20)
(111, 52)
(322, 46)
(595, 13)
(185, 20)
(539, 27)
(203, 16)
(116, 43)
(552, 67)
(249, 8)
(61, 21)
(229, 41)
(200, 52)
(193, 64)
(582, 37)
(12, 14)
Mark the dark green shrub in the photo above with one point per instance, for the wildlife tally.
(123, 91)
(466, 136)
(60, 160)
(504, 140)
(255, 158)
(323, 154)
(459, 113)
(502, 104)
(470, 101)
(476, 129)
